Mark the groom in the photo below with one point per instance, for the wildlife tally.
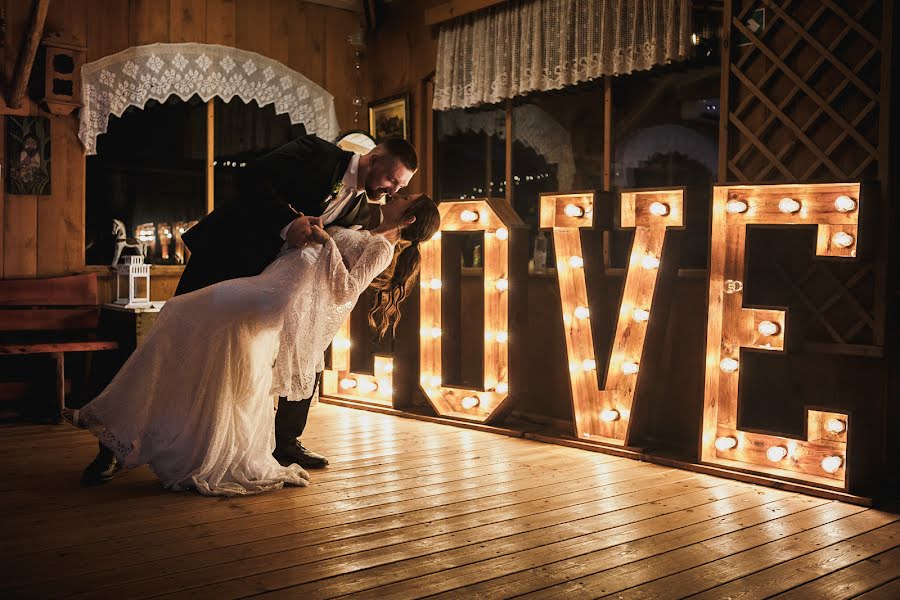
(282, 195)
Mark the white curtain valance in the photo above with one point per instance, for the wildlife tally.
(157, 71)
(529, 45)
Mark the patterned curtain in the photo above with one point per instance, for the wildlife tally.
(529, 45)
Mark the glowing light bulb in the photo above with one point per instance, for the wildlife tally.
(736, 207)
(367, 386)
(830, 464)
(725, 442)
(574, 367)
(502, 337)
(503, 233)
(609, 415)
(389, 368)
(729, 365)
(502, 387)
(470, 402)
(576, 262)
(435, 332)
(776, 453)
(573, 210)
(342, 344)
(435, 284)
(385, 387)
(435, 381)
(844, 203)
(582, 312)
(835, 426)
(503, 284)
(348, 384)
(589, 364)
(842, 239)
(788, 205)
(640, 315)
(650, 262)
(436, 236)
(768, 328)
(630, 368)
(660, 209)
(468, 216)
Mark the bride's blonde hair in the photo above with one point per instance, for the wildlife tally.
(395, 283)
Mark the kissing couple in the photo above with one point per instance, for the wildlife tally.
(252, 321)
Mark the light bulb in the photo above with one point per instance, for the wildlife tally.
(788, 205)
(342, 344)
(348, 384)
(503, 284)
(650, 262)
(844, 203)
(582, 312)
(502, 337)
(835, 426)
(640, 315)
(768, 328)
(842, 239)
(630, 368)
(389, 367)
(830, 464)
(503, 233)
(435, 332)
(660, 209)
(576, 262)
(470, 402)
(435, 284)
(776, 453)
(574, 367)
(502, 387)
(435, 381)
(736, 207)
(725, 442)
(436, 236)
(589, 364)
(573, 210)
(609, 415)
(468, 216)
(729, 365)
(367, 386)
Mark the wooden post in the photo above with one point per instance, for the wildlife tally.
(60, 373)
(210, 156)
(27, 54)
(607, 133)
(509, 152)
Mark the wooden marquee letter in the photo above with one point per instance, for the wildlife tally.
(499, 223)
(834, 208)
(340, 382)
(605, 415)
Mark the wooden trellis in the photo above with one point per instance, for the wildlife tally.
(805, 100)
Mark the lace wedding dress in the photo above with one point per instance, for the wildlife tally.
(195, 400)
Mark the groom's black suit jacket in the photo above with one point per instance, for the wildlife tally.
(241, 238)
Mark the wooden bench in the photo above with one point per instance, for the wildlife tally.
(51, 316)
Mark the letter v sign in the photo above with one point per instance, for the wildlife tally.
(605, 415)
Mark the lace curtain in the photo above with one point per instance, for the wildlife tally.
(157, 71)
(529, 45)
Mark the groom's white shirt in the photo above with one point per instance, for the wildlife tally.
(347, 193)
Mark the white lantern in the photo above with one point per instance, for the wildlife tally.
(133, 282)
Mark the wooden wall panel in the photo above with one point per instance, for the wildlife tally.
(107, 28)
(149, 22)
(220, 24)
(306, 46)
(252, 25)
(187, 21)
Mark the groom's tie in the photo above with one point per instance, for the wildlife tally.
(355, 209)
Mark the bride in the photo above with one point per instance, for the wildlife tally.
(195, 400)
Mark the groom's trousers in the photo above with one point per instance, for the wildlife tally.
(290, 419)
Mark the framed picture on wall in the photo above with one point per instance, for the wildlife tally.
(390, 117)
(28, 156)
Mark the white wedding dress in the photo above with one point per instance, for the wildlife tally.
(196, 399)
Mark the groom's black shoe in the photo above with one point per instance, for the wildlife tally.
(102, 469)
(294, 452)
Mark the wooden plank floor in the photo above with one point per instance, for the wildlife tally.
(410, 509)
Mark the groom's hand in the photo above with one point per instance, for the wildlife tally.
(300, 232)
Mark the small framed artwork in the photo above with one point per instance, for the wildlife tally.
(390, 118)
(28, 156)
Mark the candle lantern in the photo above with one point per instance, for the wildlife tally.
(133, 282)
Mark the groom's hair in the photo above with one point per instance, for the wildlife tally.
(402, 151)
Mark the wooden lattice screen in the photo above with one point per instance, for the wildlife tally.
(804, 103)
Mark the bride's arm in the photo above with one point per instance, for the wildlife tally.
(347, 284)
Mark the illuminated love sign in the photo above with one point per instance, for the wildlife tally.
(498, 221)
(340, 382)
(834, 209)
(605, 415)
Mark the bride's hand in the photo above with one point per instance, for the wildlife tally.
(319, 235)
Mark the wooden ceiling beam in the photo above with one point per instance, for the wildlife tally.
(456, 8)
(351, 5)
(27, 54)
